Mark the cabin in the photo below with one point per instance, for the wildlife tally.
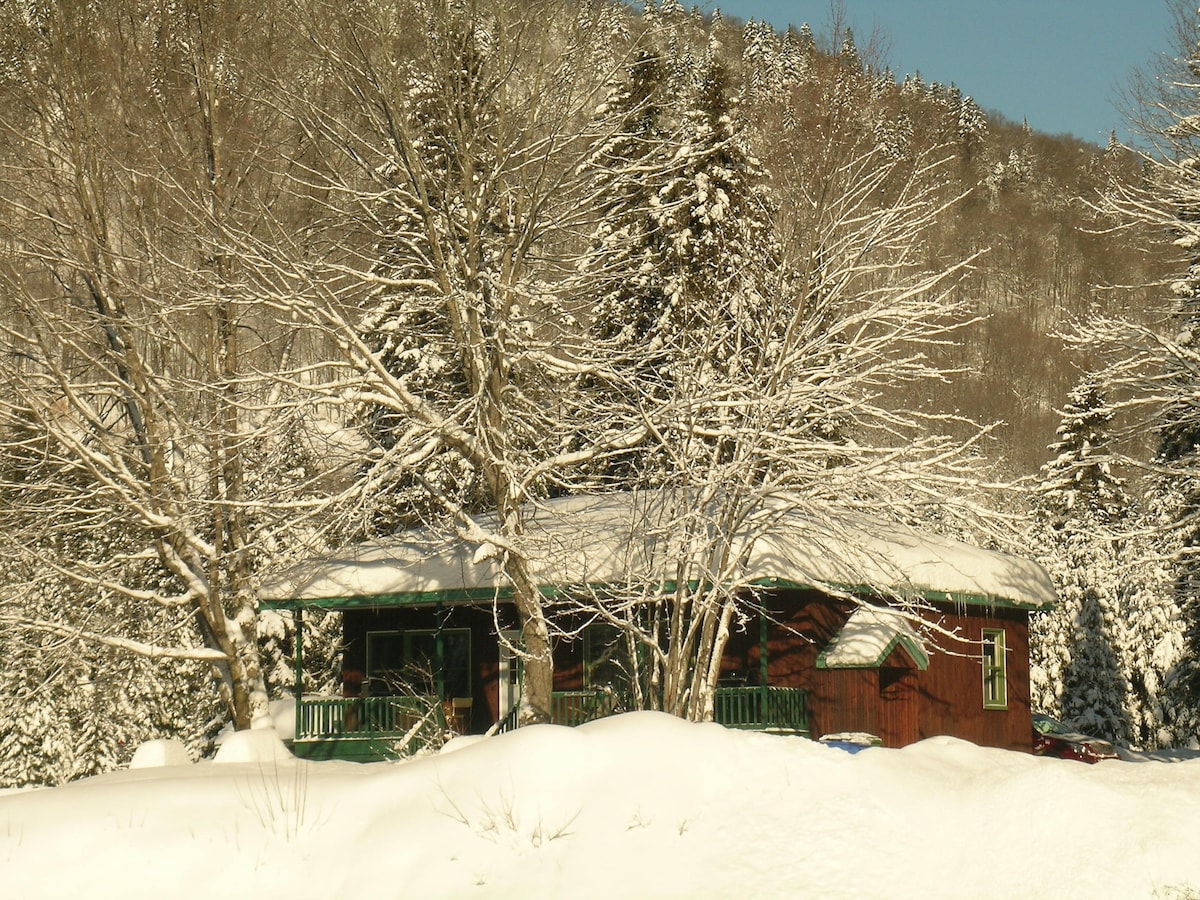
(856, 625)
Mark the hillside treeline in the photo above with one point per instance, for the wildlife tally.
(282, 275)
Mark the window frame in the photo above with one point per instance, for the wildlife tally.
(407, 637)
(993, 660)
(611, 639)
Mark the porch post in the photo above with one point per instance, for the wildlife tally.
(764, 692)
(439, 654)
(298, 614)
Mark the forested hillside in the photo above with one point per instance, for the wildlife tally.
(1026, 216)
(284, 274)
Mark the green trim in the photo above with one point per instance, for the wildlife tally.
(450, 597)
(477, 596)
(362, 750)
(298, 662)
(913, 648)
(458, 596)
(998, 670)
(933, 596)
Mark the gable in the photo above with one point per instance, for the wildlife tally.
(871, 637)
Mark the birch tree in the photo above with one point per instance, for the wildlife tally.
(761, 336)
(132, 155)
(447, 275)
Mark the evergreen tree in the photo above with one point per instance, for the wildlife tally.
(714, 216)
(799, 55)
(628, 251)
(848, 55)
(763, 61)
(1159, 369)
(1179, 456)
(1081, 509)
(1151, 632)
(407, 321)
(1078, 483)
(685, 247)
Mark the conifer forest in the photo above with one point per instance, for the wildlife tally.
(278, 276)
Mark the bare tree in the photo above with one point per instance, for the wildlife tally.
(455, 209)
(133, 155)
(424, 205)
(766, 338)
(795, 415)
(462, 187)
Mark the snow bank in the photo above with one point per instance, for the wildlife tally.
(283, 720)
(638, 805)
(258, 745)
(166, 752)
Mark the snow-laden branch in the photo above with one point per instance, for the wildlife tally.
(150, 651)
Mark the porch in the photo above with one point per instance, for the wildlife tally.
(387, 727)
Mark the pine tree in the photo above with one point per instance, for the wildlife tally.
(848, 55)
(714, 216)
(407, 321)
(799, 55)
(972, 126)
(628, 252)
(1161, 370)
(685, 247)
(1078, 483)
(1179, 455)
(763, 61)
(1081, 509)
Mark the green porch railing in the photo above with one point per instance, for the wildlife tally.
(365, 717)
(577, 707)
(756, 708)
(762, 709)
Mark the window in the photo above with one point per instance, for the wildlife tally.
(995, 674)
(605, 657)
(406, 662)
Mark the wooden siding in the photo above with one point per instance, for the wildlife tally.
(895, 701)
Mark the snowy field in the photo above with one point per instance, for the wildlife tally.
(641, 805)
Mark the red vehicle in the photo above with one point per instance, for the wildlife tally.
(1052, 738)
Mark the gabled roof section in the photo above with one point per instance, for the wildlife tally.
(607, 541)
(869, 637)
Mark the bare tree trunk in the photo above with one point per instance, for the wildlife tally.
(143, 397)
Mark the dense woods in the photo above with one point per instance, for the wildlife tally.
(281, 275)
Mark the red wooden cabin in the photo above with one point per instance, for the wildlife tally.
(428, 629)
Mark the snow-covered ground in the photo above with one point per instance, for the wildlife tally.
(641, 805)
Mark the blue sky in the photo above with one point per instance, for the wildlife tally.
(1057, 63)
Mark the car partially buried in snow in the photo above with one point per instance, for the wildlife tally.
(1052, 738)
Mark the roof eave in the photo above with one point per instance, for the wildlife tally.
(476, 596)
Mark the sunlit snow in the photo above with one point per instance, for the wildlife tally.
(632, 537)
(641, 805)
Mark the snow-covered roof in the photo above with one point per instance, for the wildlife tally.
(869, 637)
(608, 540)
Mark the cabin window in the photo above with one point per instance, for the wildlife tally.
(406, 662)
(995, 674)
(605, 657)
